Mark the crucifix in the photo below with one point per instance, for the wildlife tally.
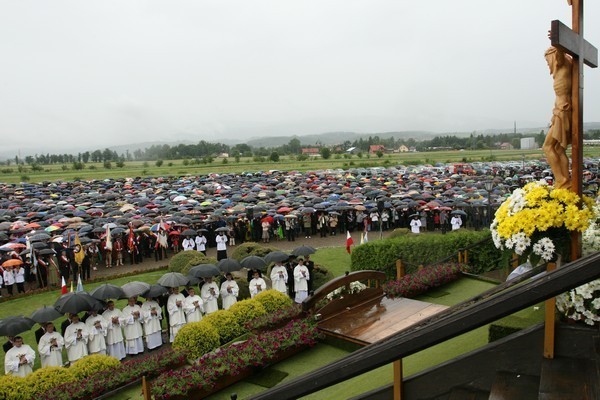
(571, 42)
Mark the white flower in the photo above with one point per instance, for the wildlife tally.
(544, 248)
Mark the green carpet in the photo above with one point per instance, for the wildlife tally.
(268, 378)
(437, 293)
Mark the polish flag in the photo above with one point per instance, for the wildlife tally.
(64, 289)
(349, 242)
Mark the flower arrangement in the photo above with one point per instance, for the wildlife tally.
(424, 279)
(355, 287)
(583, 302)
(536, 220)
(275, 319)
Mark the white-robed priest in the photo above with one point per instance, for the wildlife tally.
(98, 328)
(210, 294)
(19, 359)
(193, 306)
(132, 327)
(229, 291)
(114, 333)
(50, 347)
(279, 277)
(152, 315)
(76, 339)
(176, 313)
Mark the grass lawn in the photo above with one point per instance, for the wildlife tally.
(336, 259)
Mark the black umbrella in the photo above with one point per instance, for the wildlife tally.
(44, 252)
(45, 314)
(173, 279)
(135, 288)
(117, 231)
(74, 303)
(107, 291)
(275, 256)
(12, 326)
(193, 280)
(204, 271)
(38, 237)
(222, 229)
(254, 262)
(155, 291)
(459, 212)
(189, 232)
(229, 265)
(303, 250)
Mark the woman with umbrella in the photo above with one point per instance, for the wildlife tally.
(229, 291)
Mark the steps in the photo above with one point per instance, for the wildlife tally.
(565, 378)
(514, 386)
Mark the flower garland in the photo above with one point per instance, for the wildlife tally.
(536, 220)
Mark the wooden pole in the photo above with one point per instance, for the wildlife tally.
(577, 119)
(145, 388)
(398, 379)
(549, 327)
(399, 269)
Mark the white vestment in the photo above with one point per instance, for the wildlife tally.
(114, 334)
(256, 286)
(279, 278)
(193, 307)
(229, 293)
(97, 339)
(132, 329)
(76, 344)
(51, 356)
(415, 226)
(176, 315)
(12, 359)
(152, 327)
(301, 277)
(456, 222)
(188, 244)
(210, 294)
(200, 243)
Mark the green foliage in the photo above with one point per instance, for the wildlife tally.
(107, 165)
(498, 332)
(321, 276)
(197, 339)
(273, 300)
(184, 260)
(424, 249)
(325, 153)
(251, 249)
(274, 156)
(399, 232)
(247, 310)
(159, 163)
(91, 364)
(15, 388)
(226, 324)
(48, 378)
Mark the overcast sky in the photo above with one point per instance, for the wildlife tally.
(96, 73)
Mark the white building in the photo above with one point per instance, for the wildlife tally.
(528, 143)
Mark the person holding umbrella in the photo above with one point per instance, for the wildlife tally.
(229, 291)
(279, 277)
(98, 328)
(76, 339)
(132, 329)
(193, 306)
(114, 334)
(19, 359)
(210, 293)
(152, 315)
(176, 312)
(50, 347)
(9, 279)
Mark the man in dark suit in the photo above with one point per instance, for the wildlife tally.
(40, 332)
(65, 323)
(9, 344)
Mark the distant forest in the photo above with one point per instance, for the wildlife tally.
(203, 150)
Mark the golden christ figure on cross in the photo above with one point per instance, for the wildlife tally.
(559, 134)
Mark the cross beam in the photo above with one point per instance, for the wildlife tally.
(563, 37)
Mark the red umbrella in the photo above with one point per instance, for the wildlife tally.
(283, 210)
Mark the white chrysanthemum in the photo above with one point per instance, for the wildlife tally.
(585, 291)
(544, 248)
(516, 201)
(521, 242)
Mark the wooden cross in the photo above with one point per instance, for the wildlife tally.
(571, 41)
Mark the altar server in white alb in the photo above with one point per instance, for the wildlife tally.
(301, 277)
(221, 240)
(456, 222)
(176, 313)
(76, 339)
(98, 328)
(19, 359)
(188, 244)
(415, 224)
(193, 306)
(257, 284)
(279, 277)
(152, 315)
(201, 243)
(210, 294)
(229, 291)
(132, 327)
(114, 333)
(50, 347)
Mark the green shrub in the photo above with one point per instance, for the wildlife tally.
(48, 378)
(14, 387)
(246, 310)
(273, 300)
(251, 249)
(399, 232)
(320, 276)
(91, 364)
(226, 324)
(184, 260)
(197, 339)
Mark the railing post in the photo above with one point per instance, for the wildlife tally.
(515, 260)
(549, 326)
(398, 379)
(145, 388)
(466, 257)
(399, 269)
(459, 257)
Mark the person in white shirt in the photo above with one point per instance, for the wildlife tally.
(301, 277)
(229, 291)
(210, 293)
(50, 347)
(257, 284)
(193, 306)
(201, 243)
(188, 244)
(279, 277)
(9, 279)
(132, 327)
(76, 338)
(456, 222)
(114, 333)
(221, 240)
(176, 313)
(20, 278)
(415, 224)
(19, 359)
(152, 316)
(98, 328)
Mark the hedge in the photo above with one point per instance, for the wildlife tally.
(247, 310)
(417, 250)
(273, 300)
(226, 325)
(197, 338)
(88, 366)
(184, 260)
(251, 249)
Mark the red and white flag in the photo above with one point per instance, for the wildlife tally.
(64, 289)
(349, 242)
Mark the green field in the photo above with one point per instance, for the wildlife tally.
(65, 172)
